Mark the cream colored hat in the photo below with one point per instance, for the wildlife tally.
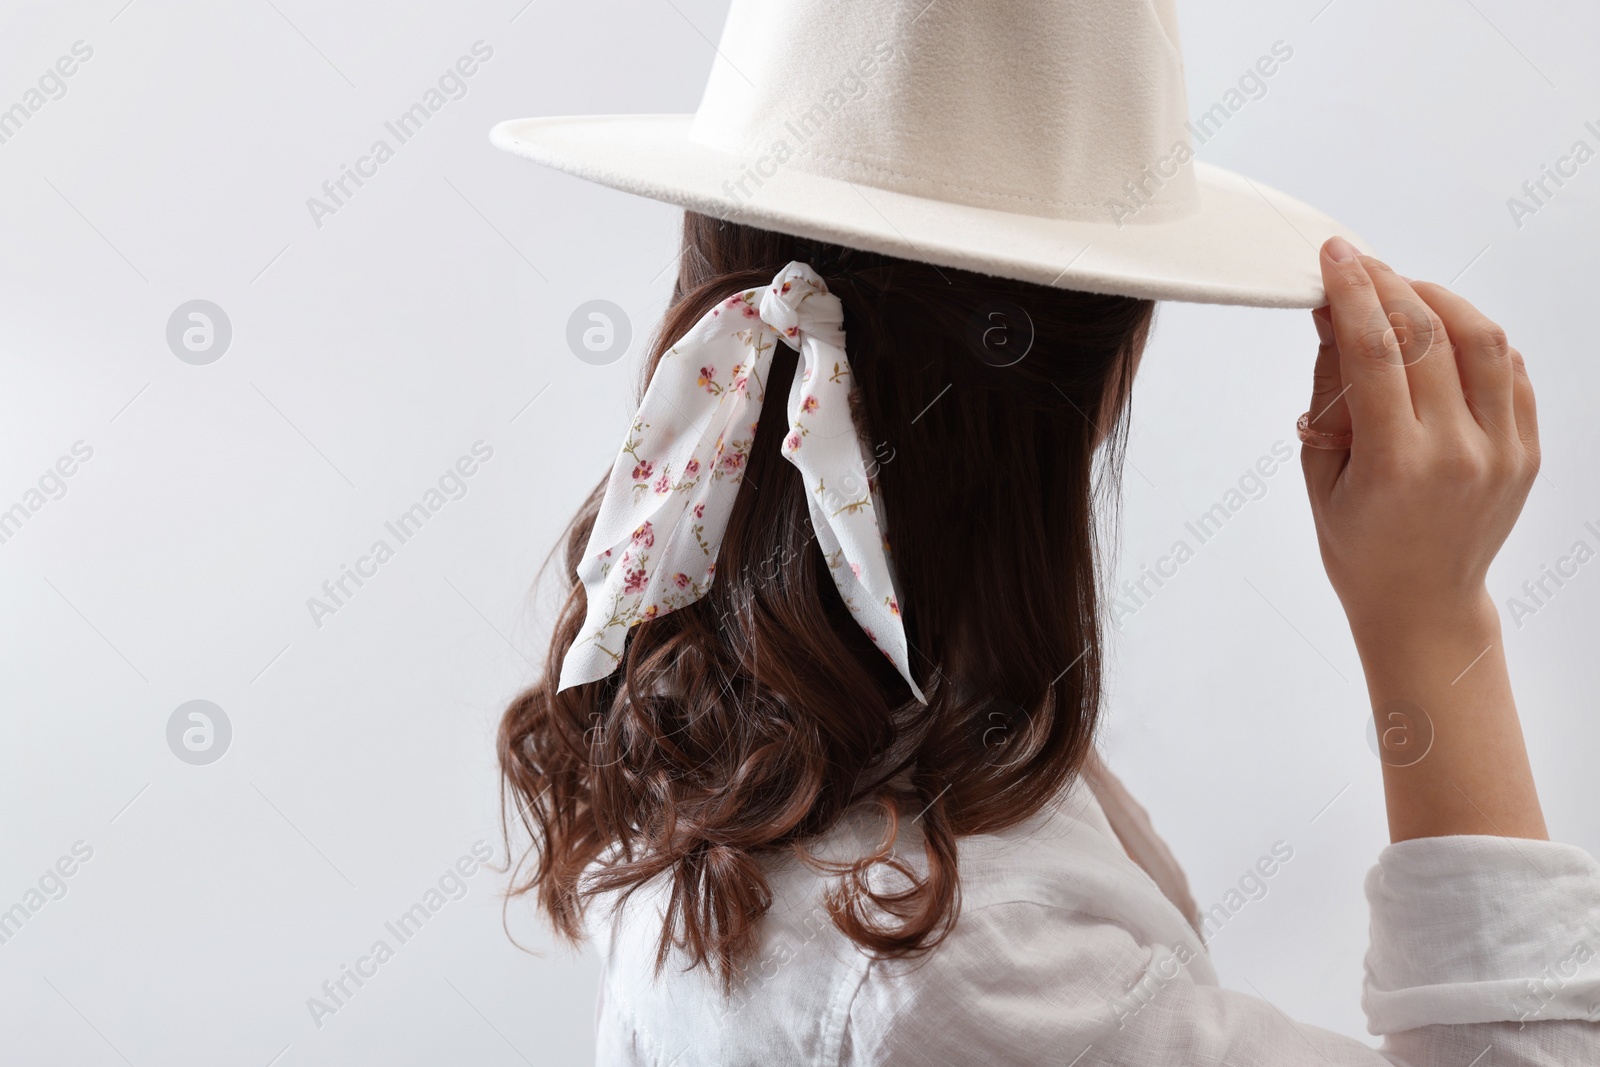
(1044, 140)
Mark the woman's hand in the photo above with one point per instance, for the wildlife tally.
(1444, 449)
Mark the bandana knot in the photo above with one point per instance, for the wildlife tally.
(798, 302)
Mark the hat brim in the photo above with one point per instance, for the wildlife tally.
(1246, 244)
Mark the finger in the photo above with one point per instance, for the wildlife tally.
(1328, 411)
(1430, 363)
(1379, 397)
(1482, 356)
(1525, 413)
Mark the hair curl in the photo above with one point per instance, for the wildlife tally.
(751, 721)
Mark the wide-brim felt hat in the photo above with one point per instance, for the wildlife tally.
(1042, 140)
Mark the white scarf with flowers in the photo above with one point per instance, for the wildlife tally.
(654, 544)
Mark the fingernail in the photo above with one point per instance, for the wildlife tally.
(1339, 250)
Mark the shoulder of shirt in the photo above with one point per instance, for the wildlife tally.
(1064, 861)
(1064, 857)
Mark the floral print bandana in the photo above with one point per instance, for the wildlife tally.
(672, 488)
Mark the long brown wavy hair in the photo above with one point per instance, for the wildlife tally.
(744, 725)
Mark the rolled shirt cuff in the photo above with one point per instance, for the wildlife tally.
(1473, 929)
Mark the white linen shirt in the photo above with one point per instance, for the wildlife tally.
(1066, 953)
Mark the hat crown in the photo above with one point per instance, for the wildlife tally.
(1035, 107)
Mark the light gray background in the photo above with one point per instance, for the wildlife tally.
(430, 313)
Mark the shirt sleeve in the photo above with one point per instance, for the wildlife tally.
(1483, 952)
(1482, 929)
